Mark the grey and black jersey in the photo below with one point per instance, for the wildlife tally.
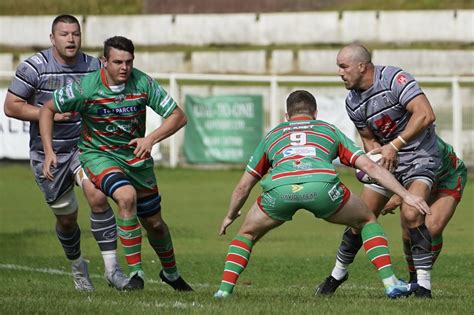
(383, 109)
(35, 80)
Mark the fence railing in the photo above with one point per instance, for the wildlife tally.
(179, 79)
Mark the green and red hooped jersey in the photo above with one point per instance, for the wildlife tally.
(111, 119)
(301, 151)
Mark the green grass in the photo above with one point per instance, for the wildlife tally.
(283, 271)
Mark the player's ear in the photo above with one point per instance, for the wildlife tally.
(103, 61)
(51, 38)
(287, 117)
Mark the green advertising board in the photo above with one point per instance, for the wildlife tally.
(222, 129)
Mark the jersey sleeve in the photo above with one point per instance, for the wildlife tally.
(258, 164)
(355, 113)
(26, 79)
(159, 99)
(347, 151)
(404, 86)
(69, 98)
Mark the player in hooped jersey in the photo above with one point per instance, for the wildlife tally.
(296, 158)
(115, 152)
(33, 85)
(445, 196)
(394, 118)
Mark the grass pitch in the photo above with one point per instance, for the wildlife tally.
(283, 271)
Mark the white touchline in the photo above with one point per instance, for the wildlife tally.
(65, 273)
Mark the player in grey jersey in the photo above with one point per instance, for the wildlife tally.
(394, 118)
(34, 82)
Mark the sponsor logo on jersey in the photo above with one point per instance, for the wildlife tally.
(296, 188)
(269, 200)
(334, 193)
(402, 79)
(311, 196)
(118, 110)
(37, 59)
(119, 99)
(69, 91)
(304, 151)
(114, 128)
(60, 96)
(385, 125)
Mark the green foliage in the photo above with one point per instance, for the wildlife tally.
(283, 272)
(120, 7)
(83, 7)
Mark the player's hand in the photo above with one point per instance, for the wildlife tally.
(417, 202)
(64, 116)
(389, 159)
(50, 162)
(391, 205)
(227, 222)
(142, 147)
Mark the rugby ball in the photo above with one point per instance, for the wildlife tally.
(362, 176)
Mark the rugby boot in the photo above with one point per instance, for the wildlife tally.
(136, 282)
(423, 293)
(117, 279)
(178, 284)
(330, 285)
(80, 274)
(400, 289)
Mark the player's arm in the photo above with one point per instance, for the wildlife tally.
(170, 125)
(18, 108)
(386, 179)
(368, 139)
(46, 119)
(239, 196)
(422, 116)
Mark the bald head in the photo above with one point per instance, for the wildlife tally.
(355, 66)
(356, 53)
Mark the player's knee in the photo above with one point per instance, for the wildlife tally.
(435, 228)
(113, 181)
(149, 206)
(97, 200)
(68, 222)
(412, 217)
(65, 205)
(159, 227)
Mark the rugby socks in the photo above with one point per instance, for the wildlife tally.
(236, 261)
(104, 229)
(71, 242)
(130, 234)
(436, 246)
(164, 249)
(409, 259)
(350, 245)
(421, 252)
(376, 247)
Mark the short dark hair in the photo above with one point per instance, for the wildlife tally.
(65, 18)
(120, 43)
(301, 102)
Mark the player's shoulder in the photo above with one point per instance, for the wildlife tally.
(393, 76)
(141, 78)
(37, 62)
(92, 63)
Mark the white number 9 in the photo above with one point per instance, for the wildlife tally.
(297, 138)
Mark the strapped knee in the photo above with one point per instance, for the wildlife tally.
(149, 205)
(112, 181)
(65, 204)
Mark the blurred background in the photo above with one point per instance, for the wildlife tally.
(231, 64)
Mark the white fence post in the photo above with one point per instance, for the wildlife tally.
(173, 143)
(457, 117)
(274, 103)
